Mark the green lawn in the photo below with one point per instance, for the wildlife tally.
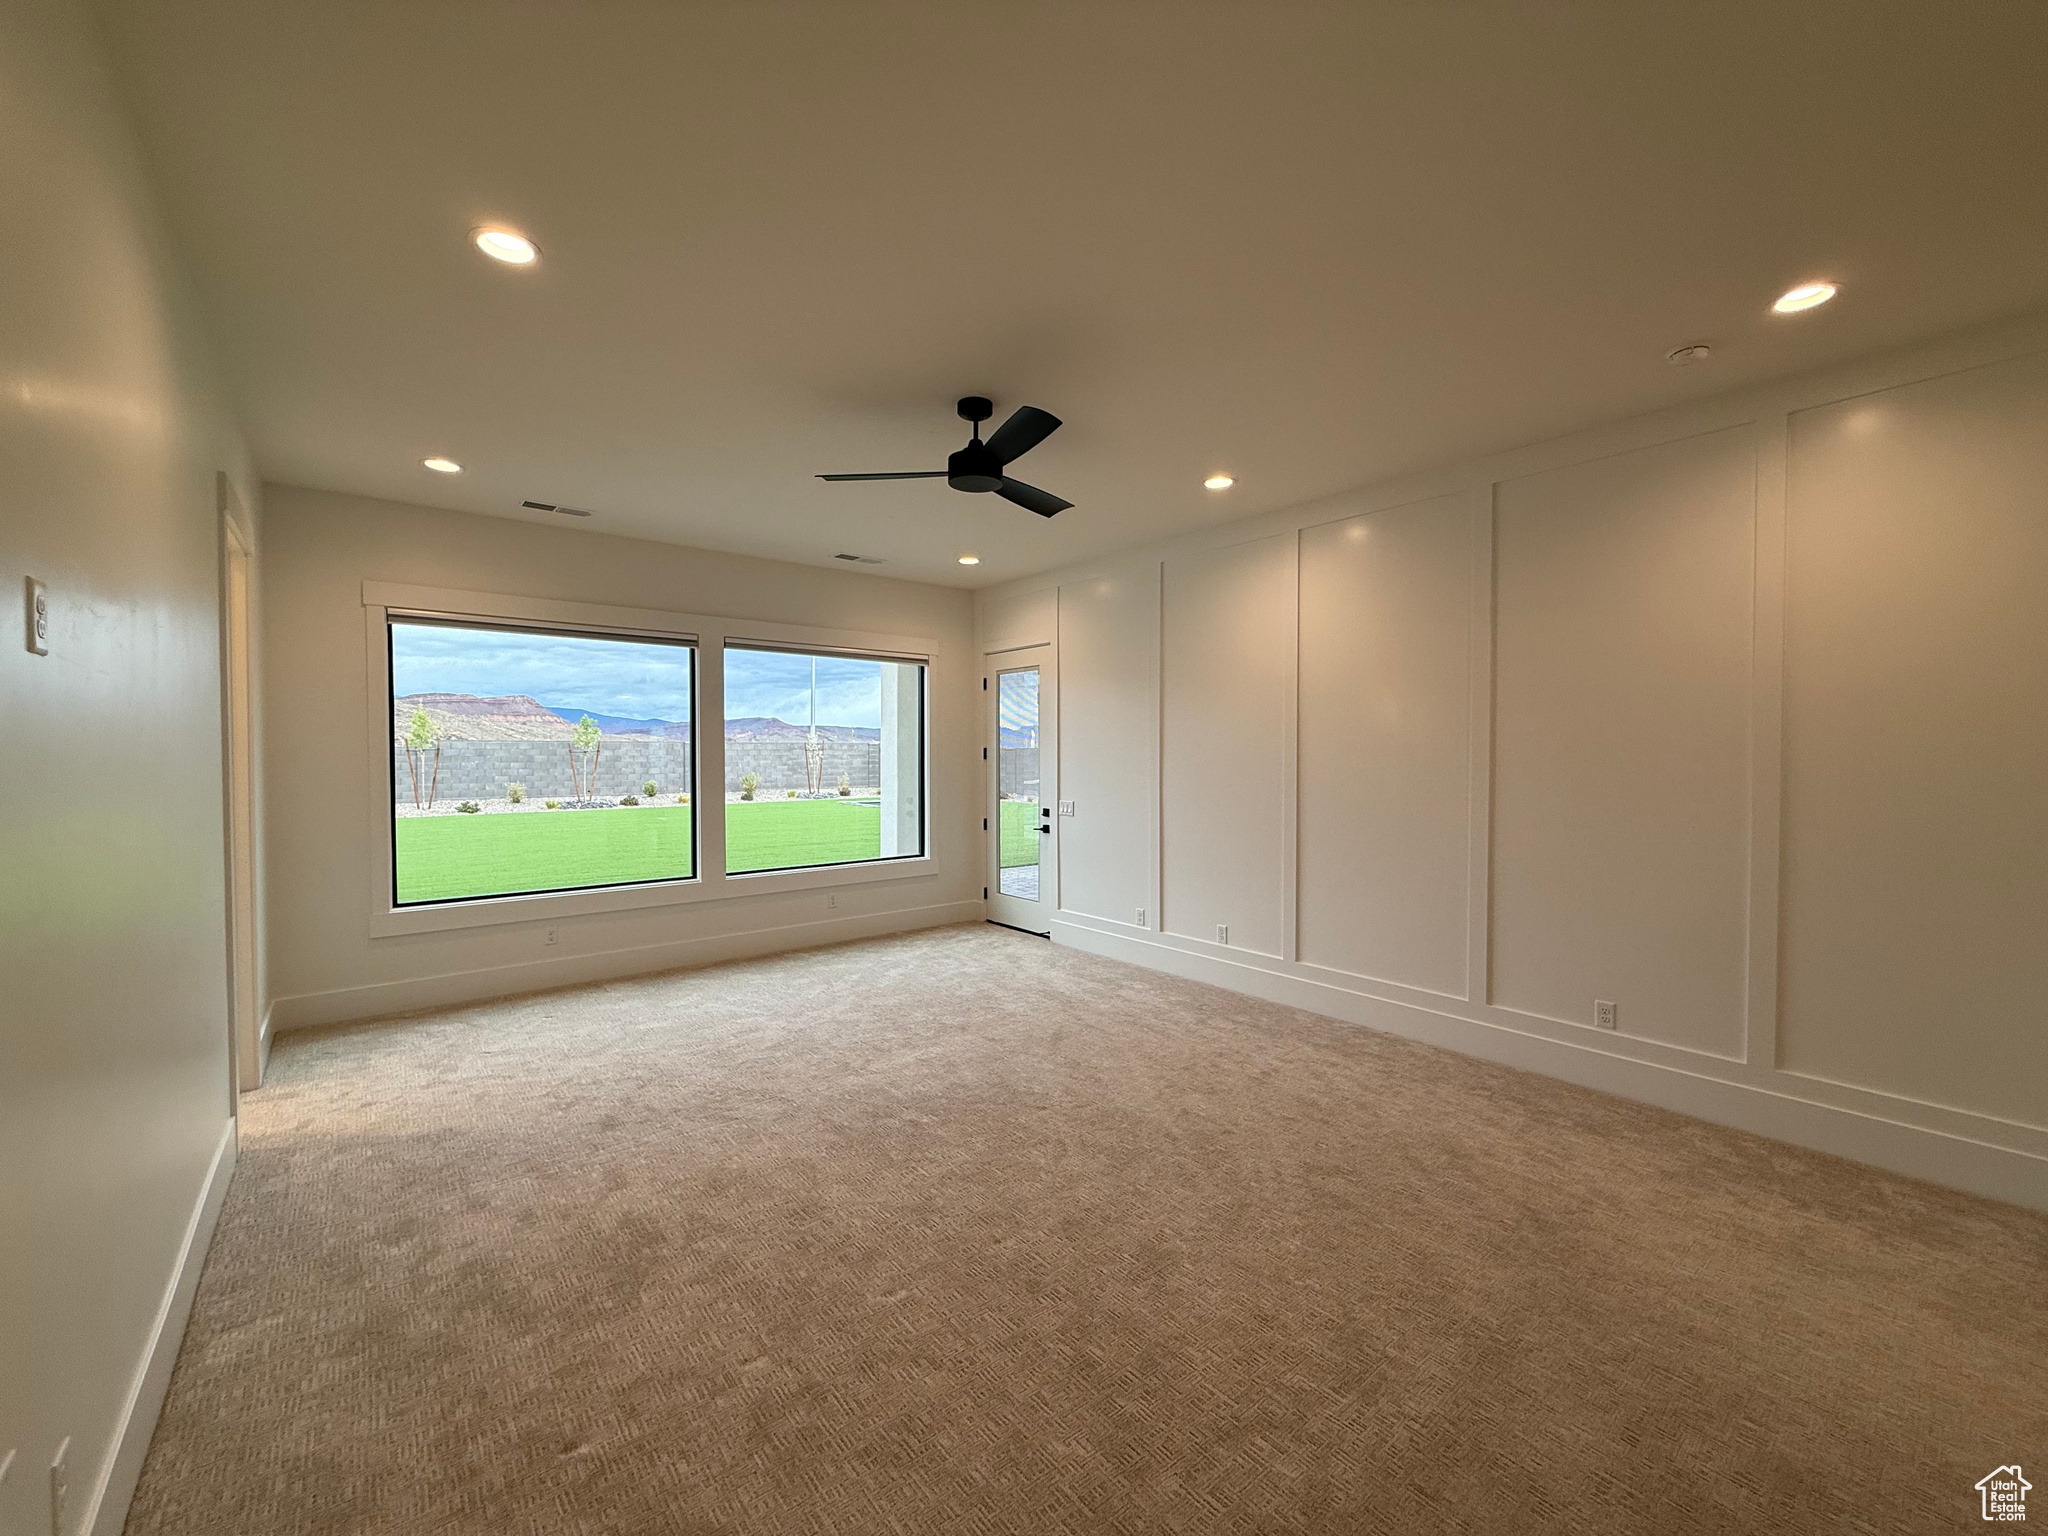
(1020, 833)
(445, 858)
(781, 834)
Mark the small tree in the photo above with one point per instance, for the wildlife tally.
(647, 789)
(585, 748)
(749, 782)
(420, 738)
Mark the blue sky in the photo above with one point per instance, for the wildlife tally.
(623, 677)
(776, 684)
(1017, 702)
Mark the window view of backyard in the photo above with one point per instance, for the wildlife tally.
(1017, 799)
(526, 761)
(824, 759)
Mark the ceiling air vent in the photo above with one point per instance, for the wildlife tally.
(862, 559)
(549, 506)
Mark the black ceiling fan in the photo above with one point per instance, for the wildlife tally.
(979, 466)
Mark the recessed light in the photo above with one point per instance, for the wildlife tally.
(1218, 483)
(443, 466)
(970, 559)
(1805, 296)
(503, 245)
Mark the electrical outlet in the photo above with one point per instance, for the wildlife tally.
(831, 900)
(60, 1487)
(1141, 917)
(38, 614)
(548, 937)
(1605, 1015)
(1223, 933)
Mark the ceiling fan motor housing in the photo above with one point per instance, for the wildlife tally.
(974, 468)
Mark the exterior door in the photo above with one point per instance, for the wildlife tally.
(1022, 889)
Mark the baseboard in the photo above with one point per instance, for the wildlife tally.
(1920, 1152)
(108, 1510)
(345, 1005)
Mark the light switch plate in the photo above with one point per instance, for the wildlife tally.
(1066, 807)
(38, 615)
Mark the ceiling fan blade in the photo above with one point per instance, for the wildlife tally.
(1031, 498)
(1027, 427)
(908, 474)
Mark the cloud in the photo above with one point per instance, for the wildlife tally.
(778, 685)
(646, 680)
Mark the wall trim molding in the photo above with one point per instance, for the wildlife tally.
(1777, 1110)
(348, 1005)
(1753, 405)
(107, 1511)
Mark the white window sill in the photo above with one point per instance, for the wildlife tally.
(547, 906)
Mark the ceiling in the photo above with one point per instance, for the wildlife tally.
(1313, 245)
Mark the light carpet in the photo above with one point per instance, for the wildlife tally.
(962, 1232)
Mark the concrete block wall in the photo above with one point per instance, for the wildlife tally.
(480, 770)
(1017, 771)
(781, 765)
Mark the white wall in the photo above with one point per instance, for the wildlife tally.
(115, 1134)
(321, 547)
(1736, 716)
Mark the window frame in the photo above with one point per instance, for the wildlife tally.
(924, 716)
(688, 644)
(709, 633)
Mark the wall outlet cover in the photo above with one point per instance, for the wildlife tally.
(37, 612)
(1606, 1015)
(1141, 917)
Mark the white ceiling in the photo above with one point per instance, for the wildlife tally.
(1312, 244)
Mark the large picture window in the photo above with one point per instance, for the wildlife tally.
(527, 760)
(824, 759)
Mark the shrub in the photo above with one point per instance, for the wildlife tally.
(515, 792)
(749, 782)
(629, 800)
(469, 807)
(792, 794)
(845, 785)
(553, 805)
(647, 789)
(682, 799)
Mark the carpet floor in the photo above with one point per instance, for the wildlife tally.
(961, 1232)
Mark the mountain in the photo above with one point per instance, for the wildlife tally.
(623, 725)
(767, 728)
(465, 717)
(516, 717)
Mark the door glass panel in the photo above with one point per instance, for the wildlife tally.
(1017, 802)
